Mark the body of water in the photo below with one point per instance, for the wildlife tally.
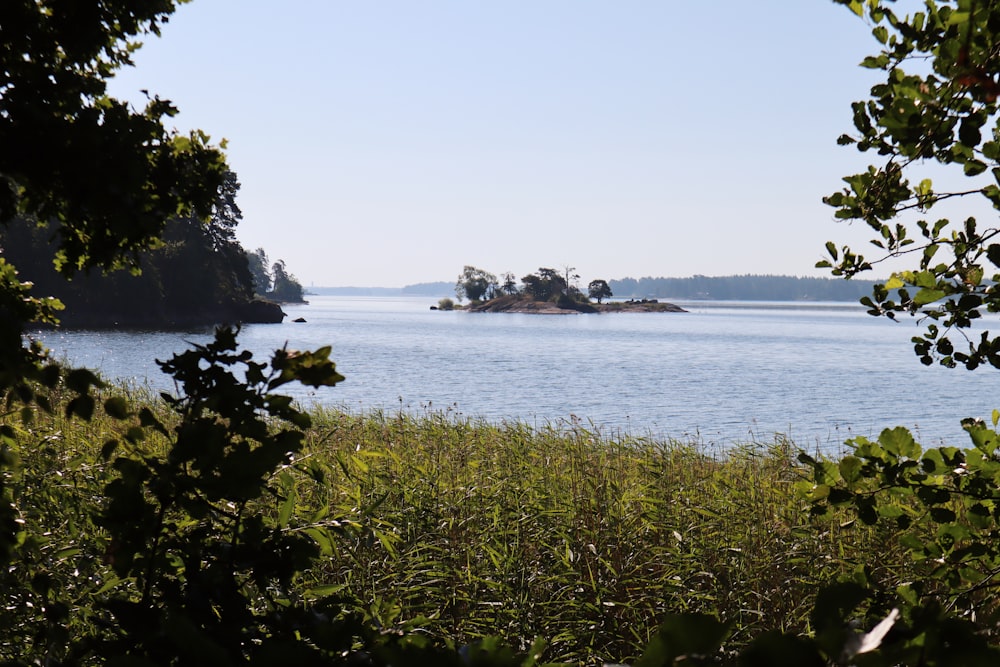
(721, 373)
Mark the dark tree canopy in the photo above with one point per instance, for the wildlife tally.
(475, 284)
(599, 290)
(545, 284)
(260, 271)
(197, 274)
(106, 176)
(284, 286)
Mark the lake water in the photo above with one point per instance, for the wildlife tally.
(721, 373)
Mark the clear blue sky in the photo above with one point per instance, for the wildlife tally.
(389, 142)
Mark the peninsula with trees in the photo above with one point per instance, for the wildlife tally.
(197, 275)
(547, 291)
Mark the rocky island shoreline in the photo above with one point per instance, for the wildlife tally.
(517, 303)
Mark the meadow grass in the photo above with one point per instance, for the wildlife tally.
(459, 528)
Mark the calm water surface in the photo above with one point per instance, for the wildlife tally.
(721, 373)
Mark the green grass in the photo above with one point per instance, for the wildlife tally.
(484, 529)
(458, 528)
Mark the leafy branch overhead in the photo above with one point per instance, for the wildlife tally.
(108, 174)
(933, 124)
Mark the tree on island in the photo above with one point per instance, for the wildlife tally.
(599, 289)
(475, 284)
(547, 284)
(509, 285)
(544, 285)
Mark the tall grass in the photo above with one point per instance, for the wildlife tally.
(460, 528)
(586, 540)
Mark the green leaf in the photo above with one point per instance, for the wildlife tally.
(957, 17)
(894, 282)
(926, 296)
(968, 132)
(82, 407)
(899, 441)
(993, 253)
(108, 449)
(923, 279)
(684, 636)
(942, 515)
(116, 407)
(287, 507)
(850, 469)
(974, 167)
(80, 380)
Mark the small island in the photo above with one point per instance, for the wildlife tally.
(547, 292)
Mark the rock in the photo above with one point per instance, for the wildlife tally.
(259, 311)
(299, 319)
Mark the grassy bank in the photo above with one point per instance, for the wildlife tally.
(458, 528)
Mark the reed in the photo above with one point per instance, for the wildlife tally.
(459, 528)
(474, 528)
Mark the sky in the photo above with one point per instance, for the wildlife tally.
(392, 142)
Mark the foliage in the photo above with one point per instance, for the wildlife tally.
(198, 273)
(544, 285)
(509, 285)
(193, 573)
(260, 271)
(475, 284)
(446, 304)
(599, 289)
(941, 506)
(106, 175)
(284, 286)
(933, 123)
(942, 503)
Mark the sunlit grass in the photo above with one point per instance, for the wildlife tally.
(460, 528)
(563, 533)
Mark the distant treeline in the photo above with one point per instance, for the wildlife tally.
(743, 288)
(721, 288)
